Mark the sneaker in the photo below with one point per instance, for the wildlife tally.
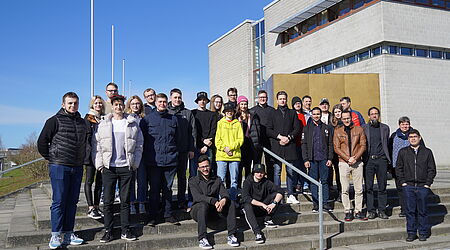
(152, 222)
(360, 216)
(299, 189)
(315, 208)
(411, 237)
(107, 237)
(94, 214)
(117, 197)
(292, 200)
(172, 220)
(402, 214)
(55, 242)
(132, 208)
(100, 212)
(72, 239)
(259, 238)
(339, 198)
(348, 216)
(372, 215)
(232, 241)
(142, 209)
(423, 237)
(128, 235)
(383, 215)
(189, 206)
(203, 243)
(306, 191)
(269, 224)
(327, 208)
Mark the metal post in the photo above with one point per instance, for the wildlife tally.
(123, 76)
(320, 216)
(129, 88)
(92, 48)
(112, 53)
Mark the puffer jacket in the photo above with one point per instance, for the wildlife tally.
(229, 134)
(186, 122)
(102, 143)
(358, 143)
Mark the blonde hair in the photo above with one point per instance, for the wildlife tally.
(141, 112)
(91, 104)
(211, 104)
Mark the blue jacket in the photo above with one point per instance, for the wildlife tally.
(160, 130)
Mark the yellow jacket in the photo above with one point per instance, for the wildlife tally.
(229, 134)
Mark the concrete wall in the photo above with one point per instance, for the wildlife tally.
(230, 62)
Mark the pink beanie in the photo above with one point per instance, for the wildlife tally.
(242, 98)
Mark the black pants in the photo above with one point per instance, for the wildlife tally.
(335, 168)
(91, 174)
(378, 168)
(202, 212)
(161, 180)
(252, 211)
(247, 157)
(111, 176)
(400, 193)
(181, 176)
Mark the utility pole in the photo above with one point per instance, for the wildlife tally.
(92, 48)
(112, 53)
(123, 76)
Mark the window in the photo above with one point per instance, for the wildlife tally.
(344, 7)
(392, 49)
(364, 55)
(327, 67)
(317, 70)
(339, 64)
(447, 55)
(357, 3)
(439, 3)
(376, 51)
(311, 23)
(422, 52)
(350, 60)
(423, 1)
(257, 29)
(406, 51)
(262, 27)
(435, 54)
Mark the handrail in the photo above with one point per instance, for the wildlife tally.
(315, 182)
(22, 165)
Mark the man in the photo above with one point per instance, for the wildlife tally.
(376, 162)
(149, 96)
(186, 122)
(232, 95)
(211, 200)
(307, 101)
(357, 118)
(111, 90)
(303, 186)
(349, 144)
(264, 112)
(62, 143)
(261, 198)
(317, 150)
(284, 126)
(416, 170)
(161, 143)
(324, 105)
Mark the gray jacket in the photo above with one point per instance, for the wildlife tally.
(385, 132)
(187, 130)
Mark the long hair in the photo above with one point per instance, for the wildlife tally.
(211, 104)
(334, 120)
(91, 104)
(141, 108)
(242, 115)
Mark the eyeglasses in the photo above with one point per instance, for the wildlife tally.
(203, 167)
(262, 97)
(111, 90)
(413, 136)
(232, 95)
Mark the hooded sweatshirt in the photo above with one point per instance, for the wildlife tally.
(253, 190)
(229, 134)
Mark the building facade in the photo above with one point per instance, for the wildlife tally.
(406, 42)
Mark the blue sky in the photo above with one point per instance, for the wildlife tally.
(45, 51)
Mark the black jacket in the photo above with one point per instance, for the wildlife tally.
(416, 169)
(206, 125)
(186, 123)
(286, 124)
(384, 131)
(254, 133)
(252, 190)
(63, 139)
(307, 140)
(209, 191)
(264, 115)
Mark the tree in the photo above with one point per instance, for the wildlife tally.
(29, 152)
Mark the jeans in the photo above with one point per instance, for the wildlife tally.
(66, 183)
(233, 166)
(140, 175)
(181, 176)
(416, 209)
(319, 171)
(378, 168)
(161, 181)
(91, 174)
(111, 177)
(251, 211)
(292, 177)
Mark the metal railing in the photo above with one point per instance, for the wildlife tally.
(22, 165)
(313, 181)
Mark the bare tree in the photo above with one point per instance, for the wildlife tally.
(29, 152)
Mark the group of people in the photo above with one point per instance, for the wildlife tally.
(130, 146)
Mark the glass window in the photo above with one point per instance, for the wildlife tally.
(328, 67)
(303, 28)
(364, 55)
(257, 30)
(422, 52)
(344, 7)
(392, 49)
(435, 54)
(440, 3)
(339, 64)
(448, 4)
(263, 50)
(406, 51)
(262, 28)
(257, 56)
(422, 1)
(311, 22)
(318, 70)
(323, 17)
(376, 51)
(350, 60)
(447, 55)
(357, 3)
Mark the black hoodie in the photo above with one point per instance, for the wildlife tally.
(209, 191)
(252, 190)
(187, 129)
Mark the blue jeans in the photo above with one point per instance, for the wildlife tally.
(292, 176)
(319, 171)
(66, 182)
(302, 181)
(161, 180)
(142, 184)
(233, 166)
(416, 209)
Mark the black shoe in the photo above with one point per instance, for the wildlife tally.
(128, 235)
(339, 198)
(152, 222)
(383, 215)
(172, 220)
(107, 237)
(402, 214)
(94, 214)
(360, 216)
(315, 208)
(411, 237)
(372, 215)
(327, 208)
(423, 237)
(349, 216)
(259, 238)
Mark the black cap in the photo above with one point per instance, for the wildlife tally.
(295, 99)
(324, 100)
(229, 106)
(259, 168)
(202, 95)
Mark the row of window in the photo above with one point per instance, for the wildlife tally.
(375, 51)
(443, 4)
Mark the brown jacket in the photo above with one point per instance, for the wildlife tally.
(358, 143)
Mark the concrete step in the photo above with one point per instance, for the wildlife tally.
(22, 221)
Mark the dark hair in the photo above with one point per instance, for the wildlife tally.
(262, 91)
(282, 92)
(403, 119)
(316, 108)
(368, 112)
(175, 90)
(147, 90)
(161, 95)
(118, 98)
(70, 95)
(346, 98)
(306, 96)
(203, 158)
(233, 89)
(414, 131)
(346, 112)
(112, 84)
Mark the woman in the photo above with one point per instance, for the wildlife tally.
(303, 183)
(228, 141)
(336, 122)
(117, 147)
(135, 107)
(93, 117)
(251, 129)
(216, 105)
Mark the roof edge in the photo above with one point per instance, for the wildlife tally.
(270, 4)
(230, 31)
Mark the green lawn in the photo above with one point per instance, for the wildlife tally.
(15, 180)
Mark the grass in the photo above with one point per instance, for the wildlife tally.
(15, 180)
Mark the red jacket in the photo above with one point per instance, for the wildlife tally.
(298, 139)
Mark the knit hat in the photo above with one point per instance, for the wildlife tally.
(242, 98)
(295, 99)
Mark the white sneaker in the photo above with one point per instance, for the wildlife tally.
(292, 200)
